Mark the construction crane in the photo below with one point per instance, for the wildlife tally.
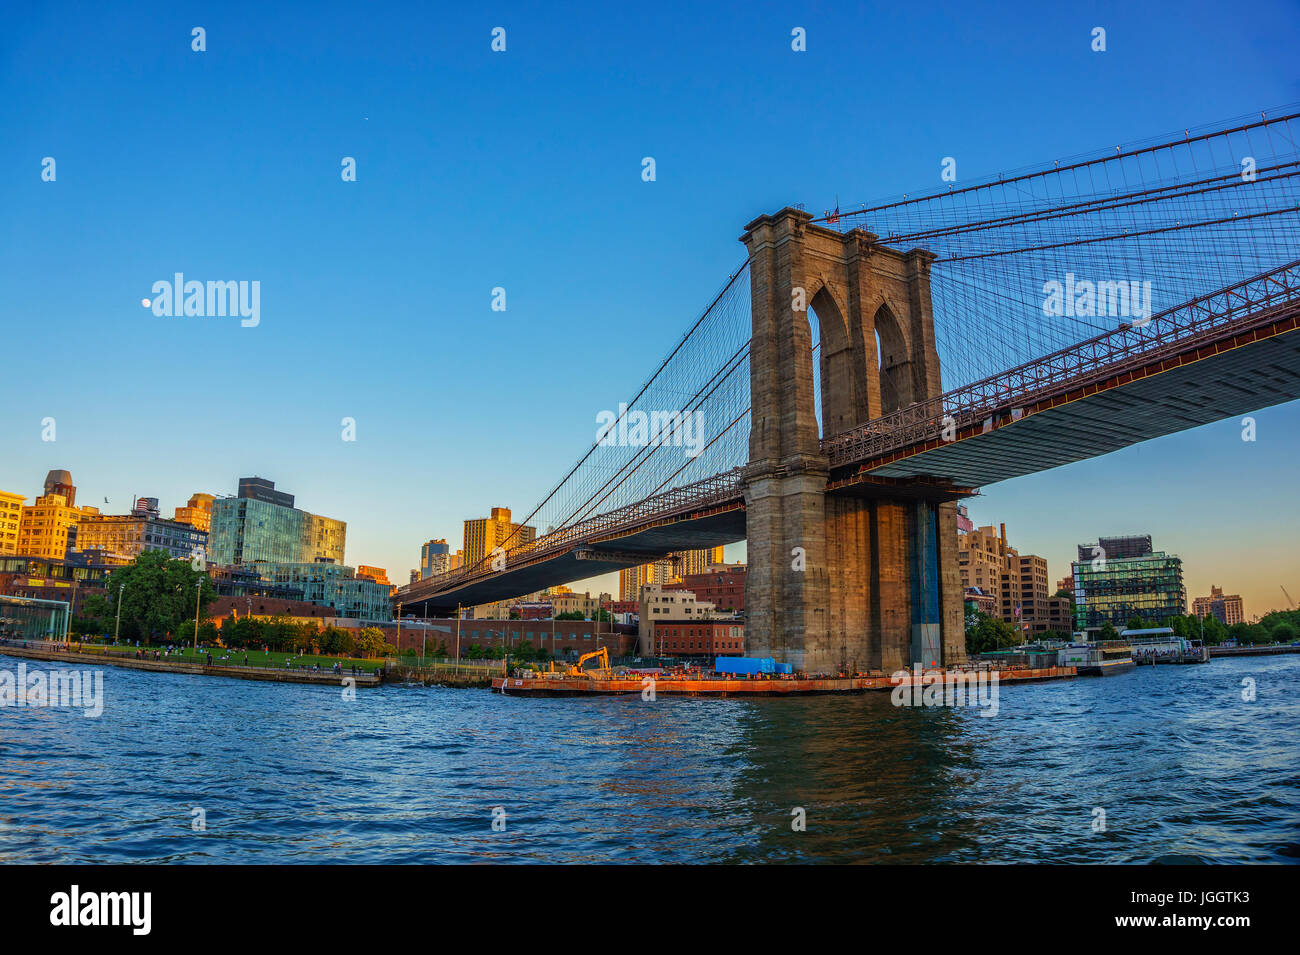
(1288, 599)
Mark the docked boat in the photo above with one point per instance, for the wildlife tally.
(1103, 658)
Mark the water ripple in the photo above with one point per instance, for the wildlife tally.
(1185, 771)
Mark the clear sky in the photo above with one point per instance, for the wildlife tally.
(522, 170)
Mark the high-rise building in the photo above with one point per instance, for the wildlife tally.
(123, 537)
(1017, 582)
(11, 519)
(984, 559)
(484, 535)
(1122, 577)
(1229, 609)
(197, 513)
(632, 579)
(260, 489)
(48, 527)
(259, 526)
(689, 563)
(435, 558)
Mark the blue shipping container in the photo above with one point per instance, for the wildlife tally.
(745, 665)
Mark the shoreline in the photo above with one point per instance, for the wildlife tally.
(261, 674)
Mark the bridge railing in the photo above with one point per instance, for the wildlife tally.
(716, 489)
(1129, 347)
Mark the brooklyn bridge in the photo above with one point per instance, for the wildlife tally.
(862, 371)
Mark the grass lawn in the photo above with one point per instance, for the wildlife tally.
(255, 657)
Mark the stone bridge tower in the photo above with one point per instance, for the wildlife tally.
(841, 581)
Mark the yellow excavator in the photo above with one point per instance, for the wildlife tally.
(602, 672)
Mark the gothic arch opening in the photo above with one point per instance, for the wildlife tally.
(815, 331)
(893, 361)
(836, 384)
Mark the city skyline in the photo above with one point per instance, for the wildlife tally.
(1049, 540)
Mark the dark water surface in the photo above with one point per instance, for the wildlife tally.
(1183, 767)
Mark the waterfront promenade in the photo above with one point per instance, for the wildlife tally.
(98, 656)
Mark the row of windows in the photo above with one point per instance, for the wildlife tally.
(685, 645)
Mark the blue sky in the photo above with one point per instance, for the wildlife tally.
(522, 170)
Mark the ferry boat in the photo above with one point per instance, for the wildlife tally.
(1103, 658)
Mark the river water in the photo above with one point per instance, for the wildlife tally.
(1183, 768)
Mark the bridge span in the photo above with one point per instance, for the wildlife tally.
(817, 379)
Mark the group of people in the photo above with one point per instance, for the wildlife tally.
(1156, 656)
(337, 668)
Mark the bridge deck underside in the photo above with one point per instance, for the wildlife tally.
(723, 525)
(1232, 383)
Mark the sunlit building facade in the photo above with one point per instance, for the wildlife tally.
(1228, 608)
(11, 519)
(47, 527)
(483, 535)
(249, 529)
(123, 537)
(1123, 577)
(198, 512)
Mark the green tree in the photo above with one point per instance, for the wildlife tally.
(1248, 634)
(337, 641)
(96, 615)
(985, 634)
(158, 595)
(1215, 631)
(473, 652)
(242, 632)
(371, 643)
(570, 615)
(1284, 632)
(1108, 632)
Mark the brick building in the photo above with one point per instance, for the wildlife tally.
(1228, 609)
(560, 638)
(700, 638)
(722, 585)
(264, 608)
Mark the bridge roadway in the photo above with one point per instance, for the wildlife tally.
(1113, 391)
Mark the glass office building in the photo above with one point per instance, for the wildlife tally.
(248, 529)
(1123, 580)
(333, 586)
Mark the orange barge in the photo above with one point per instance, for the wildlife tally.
(771, 685)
